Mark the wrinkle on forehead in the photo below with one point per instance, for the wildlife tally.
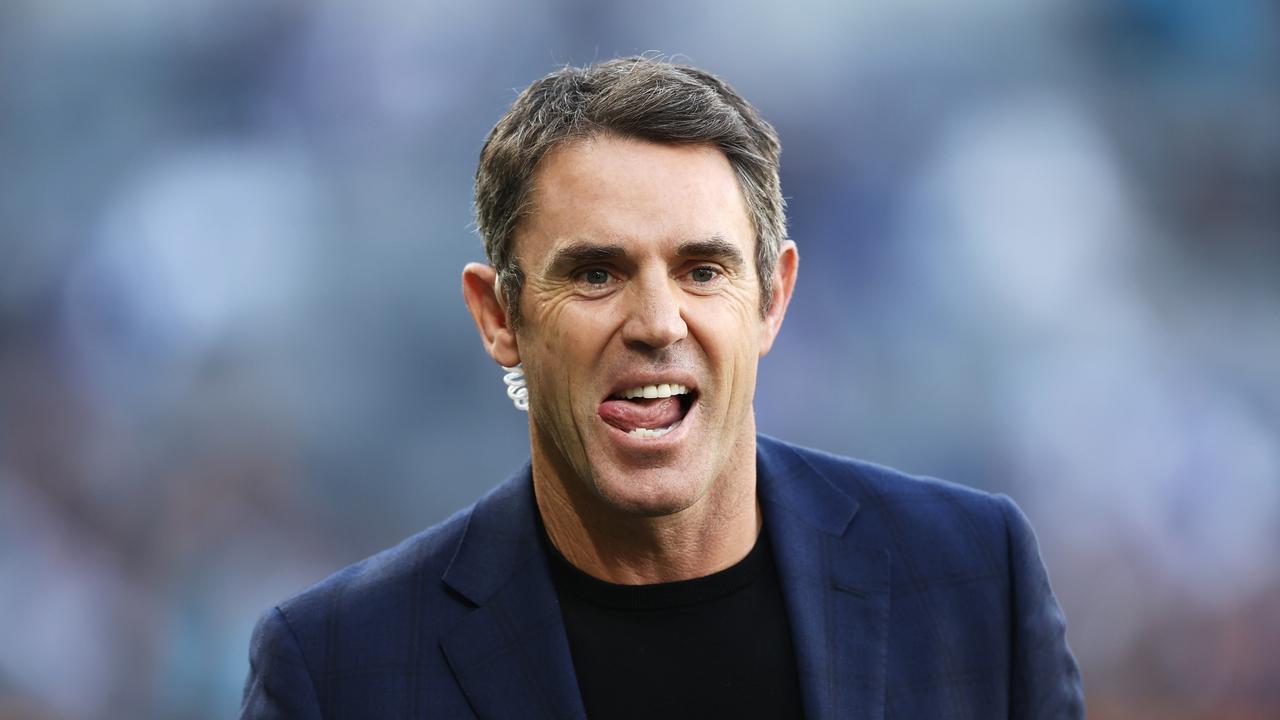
(604, 194)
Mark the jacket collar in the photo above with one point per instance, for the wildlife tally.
(788, 481)
(510, 655)
(502, 534)
(835, 582)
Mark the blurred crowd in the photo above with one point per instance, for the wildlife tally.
(1040, 253)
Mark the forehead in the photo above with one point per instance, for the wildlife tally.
(639, 193)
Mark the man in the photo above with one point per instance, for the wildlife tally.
(657, 558)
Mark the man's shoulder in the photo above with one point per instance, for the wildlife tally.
(390, 572)
(868, 481)
(380, 595)
(896, 503)
(350, 639)
(367, 608)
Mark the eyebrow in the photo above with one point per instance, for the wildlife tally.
(583, 253)
(713, 248)
(577, 254)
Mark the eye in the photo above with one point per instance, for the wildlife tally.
(594, 276)
(596, 280)
(704, 274)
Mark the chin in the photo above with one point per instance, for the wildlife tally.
(655, 492)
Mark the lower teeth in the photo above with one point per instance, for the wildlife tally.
(651, 433)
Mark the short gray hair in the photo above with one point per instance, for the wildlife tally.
(641, 97)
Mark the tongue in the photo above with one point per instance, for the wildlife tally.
(627, 415)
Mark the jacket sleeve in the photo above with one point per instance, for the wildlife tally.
(279, 684)
(1045, 682)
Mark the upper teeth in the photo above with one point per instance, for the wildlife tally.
(655, 391)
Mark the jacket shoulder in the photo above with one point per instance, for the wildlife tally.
(366, 641)
(878, 486)
(939, 527)
(363, 615)
(970, 595)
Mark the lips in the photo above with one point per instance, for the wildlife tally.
(647, 411)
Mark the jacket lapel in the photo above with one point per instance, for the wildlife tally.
(835, 584)
(510, 655)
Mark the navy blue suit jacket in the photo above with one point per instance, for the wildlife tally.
(907, 598)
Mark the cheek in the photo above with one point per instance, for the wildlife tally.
(729, 333)
(581, 329)
(568, 345)
(548, 331)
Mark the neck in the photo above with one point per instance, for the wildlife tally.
(713, 533)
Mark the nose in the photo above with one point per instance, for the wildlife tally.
(654, 314)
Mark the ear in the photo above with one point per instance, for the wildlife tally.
(487, 305)
(784, 281)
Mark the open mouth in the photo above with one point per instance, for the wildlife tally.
(648, 411)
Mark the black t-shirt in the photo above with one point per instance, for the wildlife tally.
(711, 647)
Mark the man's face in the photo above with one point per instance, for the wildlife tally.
(640, 275)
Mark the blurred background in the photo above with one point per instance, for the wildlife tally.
(1041, 256)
